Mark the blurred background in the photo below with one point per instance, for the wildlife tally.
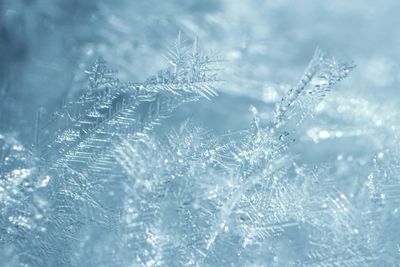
(45, 46)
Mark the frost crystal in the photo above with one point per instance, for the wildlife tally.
(112, 179)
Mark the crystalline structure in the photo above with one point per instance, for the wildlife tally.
(198, 157)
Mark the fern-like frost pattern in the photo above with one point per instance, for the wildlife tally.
(108, 183)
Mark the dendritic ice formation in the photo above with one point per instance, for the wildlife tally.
(106, 183)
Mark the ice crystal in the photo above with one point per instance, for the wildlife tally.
(121, 175)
